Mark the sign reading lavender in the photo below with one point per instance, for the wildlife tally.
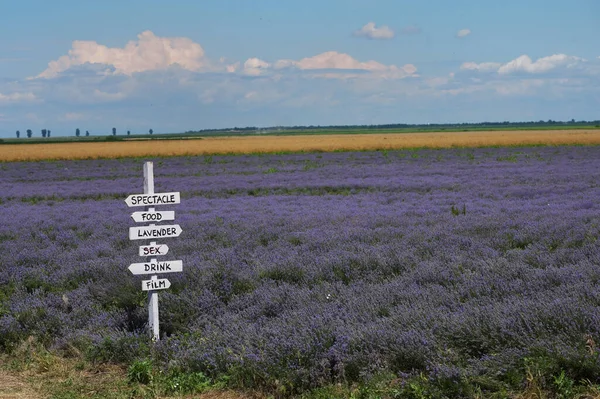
(151, 266)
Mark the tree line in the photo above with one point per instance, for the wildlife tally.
(441, 126)
(47, 132)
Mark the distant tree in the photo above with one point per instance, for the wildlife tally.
(128, 132)
(48, 132)
(114, 131)
(87, 133)
(18, 134)
(151, 131)
(29, 133)
(44, 132)
(77, 132)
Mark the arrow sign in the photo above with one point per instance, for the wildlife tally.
(153, 199)
(159, 284)
(151, 232)
(154, 250)
(172, 266)
(149, 217)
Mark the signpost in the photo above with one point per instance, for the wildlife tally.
(151, 266)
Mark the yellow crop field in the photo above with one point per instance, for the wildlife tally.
(296, 143)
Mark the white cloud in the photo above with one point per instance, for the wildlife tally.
(555, 76)
(483, 67)
(370, 31)
(341, 61)
(104, 96)
(521, 87)
(148, 53)
(525, 64)
(231, 68)
(463, 33)
(440, 80)
(255, 67)
(263, 95)
(17, 97)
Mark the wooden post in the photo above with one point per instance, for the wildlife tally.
(149, 199)
(153, 322)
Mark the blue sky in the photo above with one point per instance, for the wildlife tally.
(185, 65)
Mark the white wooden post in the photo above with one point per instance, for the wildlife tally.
(153, 322)
(149, 199)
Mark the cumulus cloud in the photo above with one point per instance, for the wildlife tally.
(525, 64)
(520, 87)
(440, 80)
(148, 53)
(482, 67)
(370, 31)
(555, 76)
(544, 64)
(231, 68)
(255, 67)
(463, 33)
(332, 60)
(17, 97)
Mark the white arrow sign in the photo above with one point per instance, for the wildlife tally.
(171, 266)
(153, 199)
(157, 216)
(151, 232)
(158, 284)
(154, 250)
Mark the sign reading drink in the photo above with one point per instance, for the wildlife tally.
(156, 216)
(172, 266)
(153, 199)
(151, 232)
(153, 250)
(159, 284)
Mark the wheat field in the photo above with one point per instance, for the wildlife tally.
(297, 143)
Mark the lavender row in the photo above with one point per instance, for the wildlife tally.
(485, 259)
(418, 171)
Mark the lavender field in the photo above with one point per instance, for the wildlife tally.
(303, 270)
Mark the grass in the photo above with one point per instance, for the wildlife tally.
(294, 143)
(32, 372)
